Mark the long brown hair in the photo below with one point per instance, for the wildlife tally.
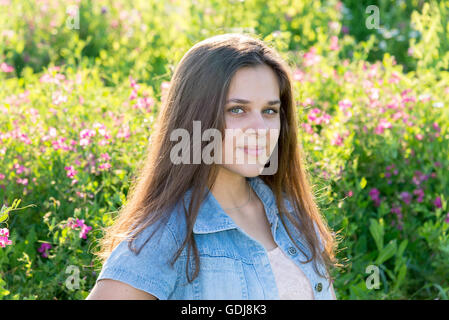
(198, 90)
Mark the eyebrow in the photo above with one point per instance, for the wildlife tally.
(243, 101)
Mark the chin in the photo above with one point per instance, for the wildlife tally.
(246, 170)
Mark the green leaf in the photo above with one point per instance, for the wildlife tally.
(377, 231)
(402, 247)
(401, 275)
(387, 252)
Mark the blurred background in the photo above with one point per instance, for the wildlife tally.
(81, 83)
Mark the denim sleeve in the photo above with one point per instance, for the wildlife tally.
(149, 270)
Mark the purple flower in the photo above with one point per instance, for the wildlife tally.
(447, 218)
(374, 194)
(396, 210)
(419, 177)
(43, 248)
(420, 193)
(437, 202)
(84, 230)
(406, 197)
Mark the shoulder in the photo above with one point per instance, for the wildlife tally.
(144, 259)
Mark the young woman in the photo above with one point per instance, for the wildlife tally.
(243, 226)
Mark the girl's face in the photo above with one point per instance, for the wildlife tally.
(252, 120)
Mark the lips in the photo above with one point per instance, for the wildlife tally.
(253, 151)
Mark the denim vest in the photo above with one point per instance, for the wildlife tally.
(233, 265)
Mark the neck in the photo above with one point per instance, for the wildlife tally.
(230, 189)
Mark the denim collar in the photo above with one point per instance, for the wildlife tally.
(212, 218)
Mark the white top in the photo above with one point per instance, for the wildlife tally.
(291, 281)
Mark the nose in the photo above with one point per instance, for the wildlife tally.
(257, 124)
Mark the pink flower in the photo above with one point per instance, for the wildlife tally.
(58, 98)
(133, 83)
(165, 85)
(436, 127)
(79, 224)
(84, 142)
(71, 172)
(4, 232)
(350, 193)
(44, 248)
(87, 133)
(84, 230)
(144, 104)
(52, 132)
(22, 181)
(104, 166)
(6, 68)
(298, 75)
(394, 78)
(106, 156)
(312, 114)
(345, 104)
(19, 168)
(72, 11)
(4, 241)
(311, 58)
(123, 132)
(338, 140)
(334, 43)
(308, 102)
(383, 124)
(308, 128)
(133, 95)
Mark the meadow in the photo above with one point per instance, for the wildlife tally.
(81, 83)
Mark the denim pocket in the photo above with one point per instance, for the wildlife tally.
(220, 278)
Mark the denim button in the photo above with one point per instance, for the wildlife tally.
(292, 251)
(318, 287)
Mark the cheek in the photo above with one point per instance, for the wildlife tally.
(233, 123)
(274, 133)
